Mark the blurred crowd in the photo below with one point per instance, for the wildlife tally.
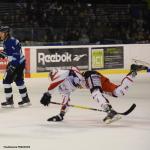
(76, 22)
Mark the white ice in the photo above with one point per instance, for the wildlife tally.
(81, 129)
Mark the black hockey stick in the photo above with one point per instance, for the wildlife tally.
(128, 111)
(89, 108)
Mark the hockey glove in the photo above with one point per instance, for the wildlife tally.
(11, 70)
(46, 98)
(56, 118)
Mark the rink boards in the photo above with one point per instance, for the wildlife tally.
(108, 59)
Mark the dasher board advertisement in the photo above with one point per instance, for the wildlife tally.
(98, 58)
(3, 63)
(107, 58)
(64, 58)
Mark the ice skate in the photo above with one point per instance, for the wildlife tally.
(9, 103)
(56, 118)
(135, 67)
(112, 116)
(25, 102)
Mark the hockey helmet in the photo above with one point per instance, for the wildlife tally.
(58, 74)
(4, 29)
(52, 73)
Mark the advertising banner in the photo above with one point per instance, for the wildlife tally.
(107, 58)
(113, 58)
(48, 59)
(27, 56)
(3, 64)
(98, 58)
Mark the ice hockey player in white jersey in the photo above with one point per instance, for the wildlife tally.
(68, 80)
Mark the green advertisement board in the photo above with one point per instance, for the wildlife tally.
(98, 58)
(107, 57)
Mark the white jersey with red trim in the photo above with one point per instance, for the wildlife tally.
(67, 86)
(81, 80)
(66, 80)
(58, 75)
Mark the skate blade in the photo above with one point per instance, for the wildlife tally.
(8, 106)
(53, 120)
(25, 105)
(109, 121)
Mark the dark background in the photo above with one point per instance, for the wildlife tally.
(53, 22)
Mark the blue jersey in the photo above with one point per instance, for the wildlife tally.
(13, 50)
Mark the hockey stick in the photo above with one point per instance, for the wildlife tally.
(94, 109)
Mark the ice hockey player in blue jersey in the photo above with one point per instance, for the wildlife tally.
(15, 68)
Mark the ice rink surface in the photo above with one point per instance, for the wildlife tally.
(81, 129)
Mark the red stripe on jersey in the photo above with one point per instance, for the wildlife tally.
(55, 84)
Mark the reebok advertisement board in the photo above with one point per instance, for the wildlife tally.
(64, 58)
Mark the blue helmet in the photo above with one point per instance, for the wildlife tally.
(4, 29)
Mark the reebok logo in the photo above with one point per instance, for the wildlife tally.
(43, 58)
(78, 57)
